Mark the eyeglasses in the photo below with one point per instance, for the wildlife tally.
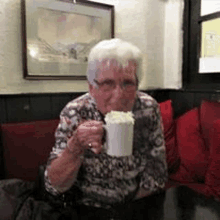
(109, 85)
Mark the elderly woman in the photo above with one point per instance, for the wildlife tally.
(127, 187)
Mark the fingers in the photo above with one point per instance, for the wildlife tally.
(89, 135)
(96, 151)
(93, 127)
(95, 147)
(91, 132)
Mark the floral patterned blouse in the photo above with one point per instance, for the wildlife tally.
(108, 180)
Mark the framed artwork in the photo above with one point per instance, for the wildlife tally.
(57, 36)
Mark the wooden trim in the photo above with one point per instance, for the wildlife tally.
(186, 27)
(193, 80)
(51, 76)
(209, 17)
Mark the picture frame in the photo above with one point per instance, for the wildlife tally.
(58, 35)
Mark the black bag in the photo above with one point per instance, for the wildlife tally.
(10, 190)
(30, 201)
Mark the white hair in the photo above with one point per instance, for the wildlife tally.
(113, 49)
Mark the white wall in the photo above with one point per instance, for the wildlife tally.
(11, 75)
(146, 23)
(173, 38)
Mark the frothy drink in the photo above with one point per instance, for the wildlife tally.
(119, 133)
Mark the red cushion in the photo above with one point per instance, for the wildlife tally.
(181, 176)
(167, 115)
(173, 159)
(209, 112)
(215, 140)
(26, 146)
(213, 172)
(193, 153)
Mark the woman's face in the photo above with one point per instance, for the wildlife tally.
(116, 87)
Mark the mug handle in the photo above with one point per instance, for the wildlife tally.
(104, 135)
(104, 143)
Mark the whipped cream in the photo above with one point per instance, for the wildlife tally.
(118, 117)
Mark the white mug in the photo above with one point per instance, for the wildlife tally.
(119, 138)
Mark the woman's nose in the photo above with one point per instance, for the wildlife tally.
(118, 91)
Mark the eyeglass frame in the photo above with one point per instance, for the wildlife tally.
(122, 86)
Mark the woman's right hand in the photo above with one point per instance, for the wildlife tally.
(89, 134)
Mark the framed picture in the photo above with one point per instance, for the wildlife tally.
(58, 35)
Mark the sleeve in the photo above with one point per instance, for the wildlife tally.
(155, 174)
(69, 120)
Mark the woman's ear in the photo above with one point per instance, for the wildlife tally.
(91, 89)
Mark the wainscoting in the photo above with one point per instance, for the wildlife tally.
(28, 107)
(186, 100)
(18, 108)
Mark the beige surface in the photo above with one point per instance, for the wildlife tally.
(140, 21)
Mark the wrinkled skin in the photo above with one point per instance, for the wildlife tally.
(91, 132)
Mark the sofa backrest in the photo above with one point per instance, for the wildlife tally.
(172, 152)
(209, 112)
(190, 142)
(26, 146)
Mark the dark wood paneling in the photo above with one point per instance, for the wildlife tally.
(186, 100)
(15, 108)
(3, 117)
(198, 97)
(215, 97)
(41, 107)
(75, 95)
(30, 107)
(18, 109)
(58, 103)
(60, 100)
(181, 101)
(160, 95)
